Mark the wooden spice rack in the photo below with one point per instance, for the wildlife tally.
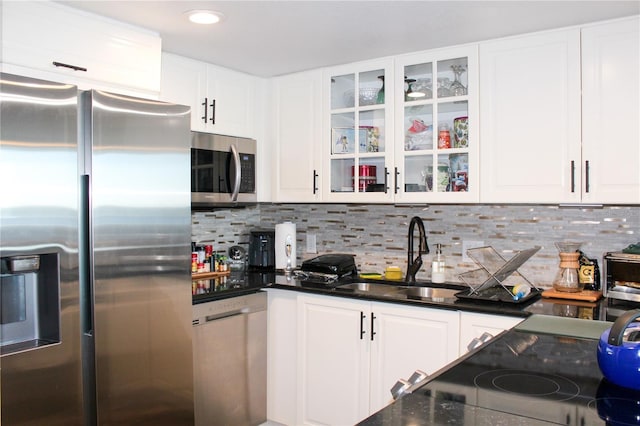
(208, 275)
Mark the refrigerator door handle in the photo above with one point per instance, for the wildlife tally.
(238, 177)
(86, 304)
(86, 261)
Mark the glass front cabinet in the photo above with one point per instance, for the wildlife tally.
(359, 147)
(404, 129)
(436, 141)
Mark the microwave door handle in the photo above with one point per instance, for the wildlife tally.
(236, 186)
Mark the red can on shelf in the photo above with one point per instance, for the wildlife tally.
(366, 176)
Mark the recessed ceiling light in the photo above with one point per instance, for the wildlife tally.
(204, 16)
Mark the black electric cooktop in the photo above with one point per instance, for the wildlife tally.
(536, 378)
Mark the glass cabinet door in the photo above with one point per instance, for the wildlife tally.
(358, 146)
(436, 155)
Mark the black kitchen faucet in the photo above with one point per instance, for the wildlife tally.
(413, 265)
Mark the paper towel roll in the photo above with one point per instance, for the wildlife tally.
(285, 234)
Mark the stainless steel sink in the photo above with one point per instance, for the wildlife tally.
(399, 291)
(434, 293)
(378, 289)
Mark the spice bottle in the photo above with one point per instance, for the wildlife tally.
(444, 137)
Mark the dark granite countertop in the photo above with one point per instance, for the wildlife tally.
(238, 284)
(421, 407)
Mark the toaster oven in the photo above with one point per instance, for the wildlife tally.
(622, 276)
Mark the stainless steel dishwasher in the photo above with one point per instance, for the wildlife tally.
(230, 361)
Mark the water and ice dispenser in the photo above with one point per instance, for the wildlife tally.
(29, 302)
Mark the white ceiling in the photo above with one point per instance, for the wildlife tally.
(268, 38)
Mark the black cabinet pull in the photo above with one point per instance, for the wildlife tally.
(395, 181)
(386, 179)
(315, 177)
(205, 104)
(373, 333)
(573, 176)
(586, 176)
(362, 317)
(213, 111)
(73, 67)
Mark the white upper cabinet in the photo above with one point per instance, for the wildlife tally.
(611, 112)
(530, 118)
(51, 41)
(222, 101)
(298, 118)
(559, 116)
(436, 116)
(403, 129)
(357, 139)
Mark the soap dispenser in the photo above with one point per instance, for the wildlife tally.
(437, 266)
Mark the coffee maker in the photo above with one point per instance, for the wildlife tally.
(262, 256)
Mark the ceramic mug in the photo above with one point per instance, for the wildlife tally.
(461, 132)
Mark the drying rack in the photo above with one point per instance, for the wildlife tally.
(496, 277)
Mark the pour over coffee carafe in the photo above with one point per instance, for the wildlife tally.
(567, 277)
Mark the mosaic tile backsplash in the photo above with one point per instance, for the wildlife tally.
(377, 234)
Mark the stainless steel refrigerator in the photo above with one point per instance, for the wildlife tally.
(95, 231)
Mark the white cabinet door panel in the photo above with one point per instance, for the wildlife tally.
(530, 118)
(611, 111)
(334, 367)
(298, 99)
(407, 339)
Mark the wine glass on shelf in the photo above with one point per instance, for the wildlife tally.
(444, 88)
(457, 88)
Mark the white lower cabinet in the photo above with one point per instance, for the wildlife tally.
(333, 356)
(473, 325)
(333, 360)
(282, 336)
(350, 354)
(408, 338)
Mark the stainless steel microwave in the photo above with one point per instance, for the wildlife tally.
(223, 170)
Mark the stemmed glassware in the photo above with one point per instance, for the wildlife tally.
(457, 88)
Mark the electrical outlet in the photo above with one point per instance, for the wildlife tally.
(311, 243)
(466, 245)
